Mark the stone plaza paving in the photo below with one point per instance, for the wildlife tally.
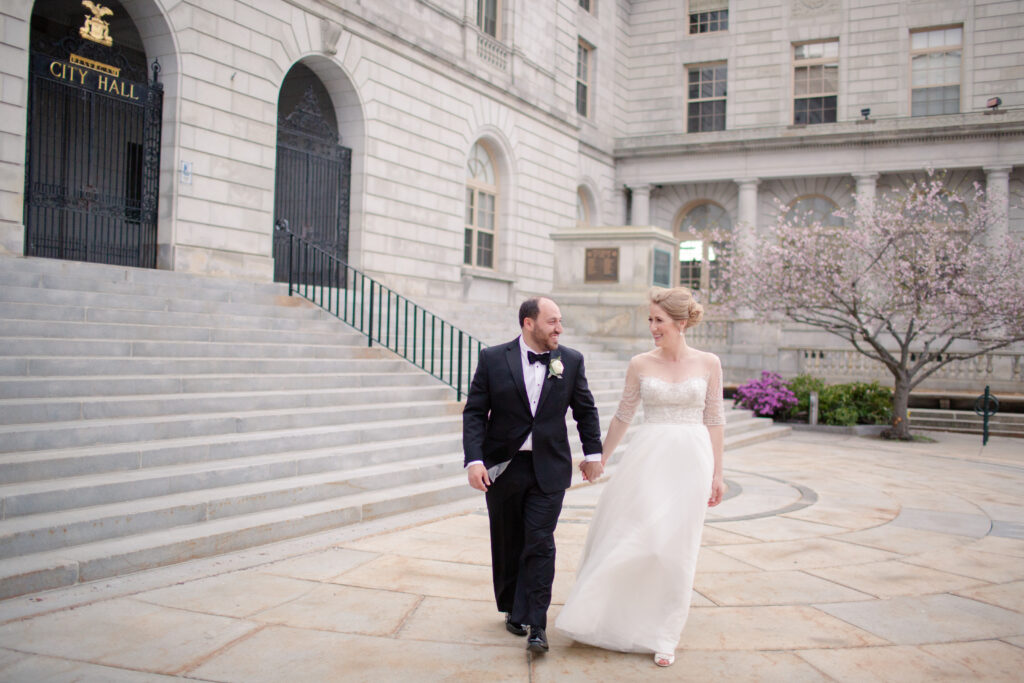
(834, 558)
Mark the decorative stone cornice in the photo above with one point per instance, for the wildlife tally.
(888, 132)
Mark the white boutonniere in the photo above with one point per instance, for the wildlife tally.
(555, 368)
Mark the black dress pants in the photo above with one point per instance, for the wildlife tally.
(522, 520)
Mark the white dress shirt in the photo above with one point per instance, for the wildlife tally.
(534, 375)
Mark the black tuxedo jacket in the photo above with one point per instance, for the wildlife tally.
(497, 419)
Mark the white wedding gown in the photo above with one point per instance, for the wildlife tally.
(635, 579)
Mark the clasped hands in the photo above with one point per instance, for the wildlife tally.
(592, 470)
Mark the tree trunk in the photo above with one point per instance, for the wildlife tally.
(900, 397)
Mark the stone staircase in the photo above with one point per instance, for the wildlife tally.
(150, 417)
(967, 421)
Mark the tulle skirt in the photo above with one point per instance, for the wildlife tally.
(635, 581)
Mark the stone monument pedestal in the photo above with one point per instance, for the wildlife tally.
(603, 274)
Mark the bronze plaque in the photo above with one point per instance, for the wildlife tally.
(602, 265)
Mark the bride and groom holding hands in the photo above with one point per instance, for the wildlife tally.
(635, 580)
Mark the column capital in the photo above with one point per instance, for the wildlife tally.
(748, 181)
(866, 175)
(997, 170)
(641, 187)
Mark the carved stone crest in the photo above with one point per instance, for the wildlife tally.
(96, 27)
(810, 8)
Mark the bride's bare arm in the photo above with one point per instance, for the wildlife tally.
(616, 430)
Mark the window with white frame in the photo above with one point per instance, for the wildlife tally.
(935, 56)
(815, 82)
(584, 54)
(582, 210)
(702, 233)
(587, 5)
(814, 208)
(706, 98)
(708, 16)
(487, 16)
(481, 200)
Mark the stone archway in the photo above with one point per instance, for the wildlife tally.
(94, 137)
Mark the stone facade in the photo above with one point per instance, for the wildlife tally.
(414, 84)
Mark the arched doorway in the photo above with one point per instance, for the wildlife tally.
(93, 146)
(312, 186)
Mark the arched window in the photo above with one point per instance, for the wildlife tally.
(582, 207)
(481, 200)
(701, 248)
(814, 208)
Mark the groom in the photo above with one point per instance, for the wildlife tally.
(517, 450)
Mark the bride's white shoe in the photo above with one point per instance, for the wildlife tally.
(664, 660)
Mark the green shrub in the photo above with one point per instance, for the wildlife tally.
(855, 403)
(802, 386)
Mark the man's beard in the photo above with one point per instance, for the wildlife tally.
(543, 341)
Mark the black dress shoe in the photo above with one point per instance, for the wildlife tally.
(538, 640)
(514, 628)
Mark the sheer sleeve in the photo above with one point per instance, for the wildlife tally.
(630, 394)
(714, 409)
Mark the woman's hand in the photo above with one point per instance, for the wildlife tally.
(592, 471)
(718, 489)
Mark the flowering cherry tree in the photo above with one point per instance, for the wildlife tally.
(915, 280)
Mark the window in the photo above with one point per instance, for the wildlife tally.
(481, 199)
(582, 210)
(935, 71)
(814, 208)
(815, 82)
(700, 257)
(708, 16)
(706, 98)
(585, 4)
(487, 16)
(583, 55)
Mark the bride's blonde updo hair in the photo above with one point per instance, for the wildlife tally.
(679, 303)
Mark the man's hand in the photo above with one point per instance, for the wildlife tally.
(592, 470)
(478, 478)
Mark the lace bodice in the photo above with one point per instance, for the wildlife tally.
(696, 399)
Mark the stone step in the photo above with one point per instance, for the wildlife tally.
(72, 330)
(139, 302)
(78, 460)
(323, 448)
(45, 272)
(102, 559)
(312, 319)
(132, 385)
(117, 280)
(371, 360)
(965, 421)
(27, 411)
(80, 348)
(193, 495)
(69, 434)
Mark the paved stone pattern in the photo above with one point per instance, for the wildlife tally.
(836, 558)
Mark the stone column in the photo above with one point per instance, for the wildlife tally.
(865, 187)
(746, 220)
(997, 187)
(641, 214)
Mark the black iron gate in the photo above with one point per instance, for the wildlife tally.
(312, 185)
(92, 157)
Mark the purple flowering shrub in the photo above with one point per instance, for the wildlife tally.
(769, 396)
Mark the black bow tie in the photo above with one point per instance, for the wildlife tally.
(542, 358)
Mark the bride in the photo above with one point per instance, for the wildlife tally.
(635, 580)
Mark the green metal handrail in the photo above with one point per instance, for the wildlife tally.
(381, 314)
